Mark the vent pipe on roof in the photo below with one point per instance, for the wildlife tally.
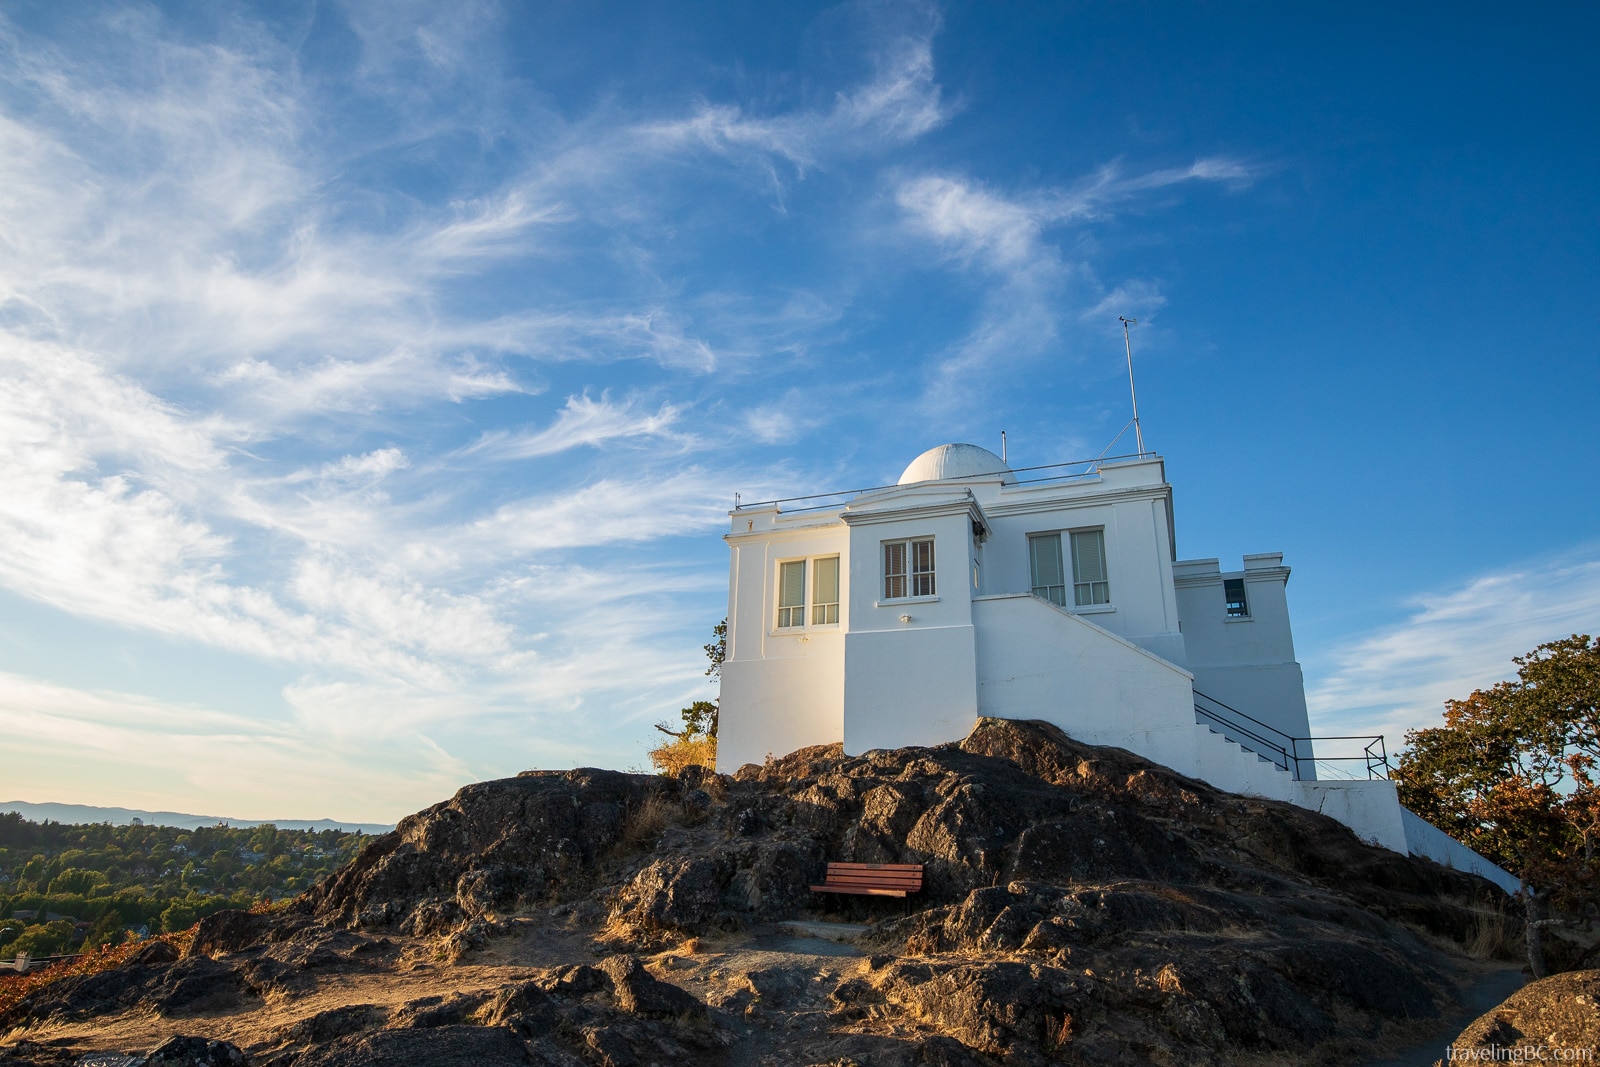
(1003, 458)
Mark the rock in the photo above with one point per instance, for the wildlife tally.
(575, 981)
(228, 931)
(641, 993)
(156, 952)
(525, 1007)
(1553, 1020)
(194, 1052)
(494, 844)
(336, 1022)
(776, 986)
(1001, 1008)
(429, 1012)
(446, 1046)
(195, 985)
(675, 894)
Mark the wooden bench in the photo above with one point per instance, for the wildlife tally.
(872, 879)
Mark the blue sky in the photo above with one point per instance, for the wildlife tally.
(375, 378)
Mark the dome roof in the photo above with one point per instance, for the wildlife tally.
(956, 461)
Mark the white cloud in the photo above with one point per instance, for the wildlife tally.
(608, 511)
(900, 103)
(1004, 237)
(583, 421)
(1453, 642)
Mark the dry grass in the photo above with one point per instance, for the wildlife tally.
(673, 757)
(645, 822)
(1493, 935)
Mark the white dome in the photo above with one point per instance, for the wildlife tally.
(956, 461)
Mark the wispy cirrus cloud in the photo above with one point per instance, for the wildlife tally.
(584, 421)
(1454, 641)
(901, 102)
(1005, 238)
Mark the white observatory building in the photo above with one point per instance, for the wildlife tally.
(897, 616)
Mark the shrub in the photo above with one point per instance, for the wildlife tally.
(673, 757)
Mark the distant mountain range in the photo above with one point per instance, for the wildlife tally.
(87, 813)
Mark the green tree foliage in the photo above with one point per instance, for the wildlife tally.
(133, 876)
(1512, 773)
(178, 917)
(107, 931)
(77, 880)
(44, 939)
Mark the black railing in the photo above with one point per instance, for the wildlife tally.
(1090, 467)
(1283, 749)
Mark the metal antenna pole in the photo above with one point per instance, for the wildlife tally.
(1138, 431)
(1003, 457)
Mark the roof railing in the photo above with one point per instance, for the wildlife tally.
(1092, 467)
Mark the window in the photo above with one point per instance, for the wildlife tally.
(1089, 584)
(1044, 558)
(825, 592)
(792, 594)
(1233, 593)
(908, 568)
(824, 602)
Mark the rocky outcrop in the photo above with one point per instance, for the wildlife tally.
(1081, 905)
(1554, 1020)
(493, 846)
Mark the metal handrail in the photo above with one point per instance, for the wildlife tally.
(1377, 763)
(740, 506)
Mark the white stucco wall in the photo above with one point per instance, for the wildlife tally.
(781, 690)
(1131, 502)
(1247, 663)
(910, 672)
(913, 686)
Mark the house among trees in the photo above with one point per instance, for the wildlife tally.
(897, 616)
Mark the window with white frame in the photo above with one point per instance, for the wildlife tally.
(825, 591)
(908, 568)
(791, 594)
(823, 603)
(1089, 583)
(1044, 560)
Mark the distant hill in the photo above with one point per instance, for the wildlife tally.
(88, 813)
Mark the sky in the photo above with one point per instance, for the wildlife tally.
(375, 378)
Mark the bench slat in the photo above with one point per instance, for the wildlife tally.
(872, 879)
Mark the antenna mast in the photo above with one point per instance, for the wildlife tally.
(1138, 432)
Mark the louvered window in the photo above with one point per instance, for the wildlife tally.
(1044, 557)
(792, 594)
(1089, 583)
(908, 568)
(825, 591)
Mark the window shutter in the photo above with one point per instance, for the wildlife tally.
(1045, 553)
(793, 593)
(894, 569)
(825, 591)
(1089, 556)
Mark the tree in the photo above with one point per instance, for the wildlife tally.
(1512, 773)
(696, 743)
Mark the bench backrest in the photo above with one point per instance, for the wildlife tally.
(906, 876)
